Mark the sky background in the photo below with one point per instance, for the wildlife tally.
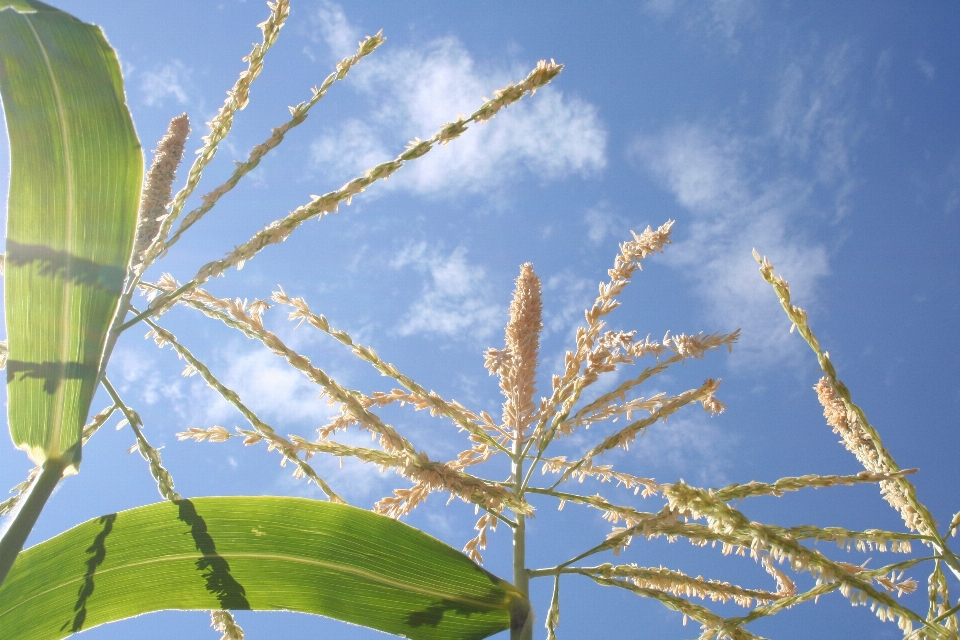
(823, 134)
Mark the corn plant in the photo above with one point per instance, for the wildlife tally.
(78, 249)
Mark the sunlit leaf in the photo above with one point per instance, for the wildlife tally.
(75, 174)
(263, 553)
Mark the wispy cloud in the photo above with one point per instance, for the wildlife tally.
(168, 81)
(810, 122)
(279, 394)
(413, 91)
(733, 213)
(926, 67)
(456, 301)
(715, 17)
(335, 30)
(765, 187)
(565, 296)
(135, 372)
(695, 447)
(354, 147)
(951, 183)
(600, 221)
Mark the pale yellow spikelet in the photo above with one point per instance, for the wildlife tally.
(680, 584)
(846, 424)
(954, 524)
(20, 490)
(785, 586)
(223, 622)
(158, 185)
(147, 451)
(475, 545)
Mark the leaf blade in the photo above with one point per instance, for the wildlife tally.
(76, 169)
(262, 553)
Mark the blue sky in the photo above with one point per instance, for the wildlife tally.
(824, 135)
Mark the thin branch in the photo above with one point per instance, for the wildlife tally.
(553, 614)
(901, 493)
(709, 620)
(567, 387)
(674, 582)
(946, 614)
(438, 475)
(150, 454)
(19, 491)
(464, 419)
(627, 434)
(320, 206)
(782, 604)
(25, 514)
(98, 421)
(297, 115)
(287, 449)
(612, 512)
(647, 487)
(223, 621)
(88, 430)
(753, 488)
(722, 517)
(237, 99)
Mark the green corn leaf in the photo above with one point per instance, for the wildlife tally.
(262, 553)
(75, 174)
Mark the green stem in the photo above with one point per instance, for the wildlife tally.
(115, 327)
(158, 302)
(946, 614)
(520, 578)
(22, 520)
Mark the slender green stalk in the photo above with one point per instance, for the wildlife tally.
(946, 614)
(521, 580)
(22, 521)
(284, 446)
(149, 453)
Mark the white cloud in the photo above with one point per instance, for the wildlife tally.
(349, 150)
(166, 82)
(359, 483)
(600, 221)
(761, 190)
(565, 296)
(810, 121)
(137, 375)
(341, 36)
(951, 183)
(699, 167)
(728, 15)
(661, 8)
(412, 92)
(456, 300)
(282, 396)
(695, 447)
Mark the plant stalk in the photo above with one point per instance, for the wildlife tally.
(22, 520)
(520, 578)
